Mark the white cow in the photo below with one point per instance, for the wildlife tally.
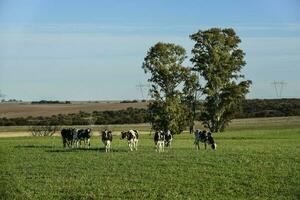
(159, 141)
(132, 137)
(107, 139)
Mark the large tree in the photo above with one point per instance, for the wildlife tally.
(171, 85)
(219, 60)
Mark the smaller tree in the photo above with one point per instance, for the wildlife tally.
(168, 77)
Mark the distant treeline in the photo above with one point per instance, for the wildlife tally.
(50, 102)
(11, 101)
(132, 101)
(269, 108)
(249, 109)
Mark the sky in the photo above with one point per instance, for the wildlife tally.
(94, 50)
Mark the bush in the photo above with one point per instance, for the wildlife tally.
(43, 130)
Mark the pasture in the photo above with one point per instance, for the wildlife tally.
(248, 164)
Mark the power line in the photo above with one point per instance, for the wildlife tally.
(279, 87)
(141, 88)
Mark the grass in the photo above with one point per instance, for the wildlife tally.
(248, 164)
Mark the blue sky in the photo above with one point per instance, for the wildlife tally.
(93, 50)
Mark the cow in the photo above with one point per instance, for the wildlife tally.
(159, 141)
(107, 138)
(69, 137)
(204, 137)
(160, 136)
(84, 135)
(168, 139)
(132, 137)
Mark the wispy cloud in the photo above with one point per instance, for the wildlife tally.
(244, 30)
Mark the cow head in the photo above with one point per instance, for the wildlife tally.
(123, 135)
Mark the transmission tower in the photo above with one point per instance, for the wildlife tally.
(279, 87)
(141, 88)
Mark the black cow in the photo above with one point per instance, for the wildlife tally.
(107, 138)
(204, 137)
(132, 137)
(84, 135)
(168, 138)
(69, 137)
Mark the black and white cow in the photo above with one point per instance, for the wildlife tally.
(69, 137)
(162, 139)
(107, 138)
(159, 141)
(204, 137)
(84, 135)
(132, 137)
(168, 138)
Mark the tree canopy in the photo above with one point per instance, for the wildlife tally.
(171, 85)
(219, 60)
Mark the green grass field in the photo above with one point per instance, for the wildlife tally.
(248, 164)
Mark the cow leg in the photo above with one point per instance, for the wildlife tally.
(196, 144)
(205, 145)
(69, 143)
(108, 146)
(157, 147)
(64, 142)
(129, 145)
(89, 142)
(136, 144)
(161, 146)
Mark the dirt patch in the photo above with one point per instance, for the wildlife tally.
(14, 134)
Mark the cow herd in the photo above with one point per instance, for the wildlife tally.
(76, 138)
(73, 137)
